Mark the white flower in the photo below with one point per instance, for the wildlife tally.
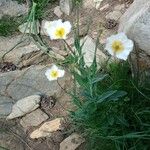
(54, 73)
(119, 46)
(49, 24)
(59, 29)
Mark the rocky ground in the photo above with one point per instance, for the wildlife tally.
(34, 111)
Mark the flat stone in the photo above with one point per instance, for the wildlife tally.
(70, 41)
(57, 11)
(119, 7)
(24, 106)
(47, 128)
(89, 50)
(66, 6)
(6, 104)
(5, 109)
(12, 8)
(72, 142)
(33, 119)
(26, 53)
(26, 82)
(30, 27)
(1, 2)
(26, 47)
(136, 24)
(104, 7)
(5, 80)
(115, 15)
(43, 30)
(10, 142)
(88, 4)
(5, 99)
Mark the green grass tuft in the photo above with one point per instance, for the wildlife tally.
(40, 8)
(113, 123)
(9, 25)
(112, 107)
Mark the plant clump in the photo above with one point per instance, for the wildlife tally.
(9, 25)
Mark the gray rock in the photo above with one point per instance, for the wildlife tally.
(30, 27)
(6, 104)
(66, 6)
(30, 81)
(115, 15)
(57, 11)
(43, 31)
(5, 99)
(5, 109)
(6, 43)
(72, 142)
(88, 4)
(119, 7)
(105, 7)
(24, 106)
(10, 142)
(33, 119)
(47, 128)
(26, 53)
(136, 24)
(2, 1)
(12, 8)
(89, 50)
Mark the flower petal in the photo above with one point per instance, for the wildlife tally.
(127, 45)
(54, 32)
(67, 26)
(54, 67)
(61, 73)
(47, 73)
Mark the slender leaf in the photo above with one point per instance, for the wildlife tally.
(99, 78)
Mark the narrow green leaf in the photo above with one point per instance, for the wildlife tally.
(106, 95)
(111, 95)
(99, 78)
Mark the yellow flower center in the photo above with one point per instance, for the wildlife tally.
(117, 46)
(60, 32)
(54, 74)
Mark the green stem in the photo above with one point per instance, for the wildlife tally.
(69, 47)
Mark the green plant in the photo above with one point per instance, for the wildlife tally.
(112, 109)
(78, 2)
(40, 8)
(2, 148)
(9, 25)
